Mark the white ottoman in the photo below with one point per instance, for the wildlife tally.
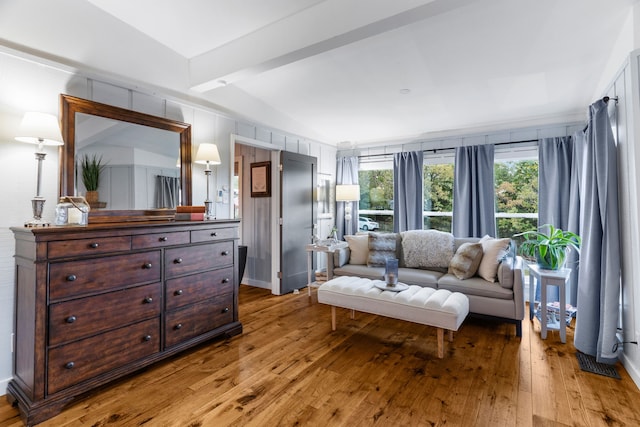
(433, 307)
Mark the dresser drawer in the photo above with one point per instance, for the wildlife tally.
(75, 278)
(213, 234)
(99, 245)
(87, 316)
(193, 320)
(196, 287)
(191, 259)
(82, 360)
(158, 240)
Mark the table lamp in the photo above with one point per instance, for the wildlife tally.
(207, 154)
(41, 129)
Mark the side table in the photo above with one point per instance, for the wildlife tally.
(327, 247)
(546, 278)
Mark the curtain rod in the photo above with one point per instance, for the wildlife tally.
(435, 150)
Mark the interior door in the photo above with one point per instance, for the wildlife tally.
(298, 214)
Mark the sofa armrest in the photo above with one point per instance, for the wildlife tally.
(341, 256)
(518, 286)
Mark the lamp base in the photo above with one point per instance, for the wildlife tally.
(208, 210)
(37, 204)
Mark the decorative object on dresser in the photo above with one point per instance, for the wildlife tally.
(41, 129)
(92, 167)
(208, 155)
(99, 302)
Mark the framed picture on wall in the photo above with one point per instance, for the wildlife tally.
(261, 179)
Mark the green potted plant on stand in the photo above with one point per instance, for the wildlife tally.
(91, 169)
(549, 249)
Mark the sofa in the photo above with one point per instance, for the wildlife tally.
(486, 270)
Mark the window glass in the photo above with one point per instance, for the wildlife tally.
(376, 196)
(438, 196)
(516, 183)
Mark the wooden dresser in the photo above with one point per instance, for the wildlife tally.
(95, 303)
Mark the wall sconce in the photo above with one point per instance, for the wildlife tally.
(42, 129)
(347, 193)
(207, 154)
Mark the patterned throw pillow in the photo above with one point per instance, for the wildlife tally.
(381, 247)
(466, 261)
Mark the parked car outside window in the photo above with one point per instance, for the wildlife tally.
(367, 224)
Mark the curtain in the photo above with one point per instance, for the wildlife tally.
(558, 199)
(167, 191)
(599, 286)
(346, 173)
(473, 192)
(407, 191)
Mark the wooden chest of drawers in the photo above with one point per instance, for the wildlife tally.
(95, 303)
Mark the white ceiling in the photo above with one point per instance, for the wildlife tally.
(336, 70)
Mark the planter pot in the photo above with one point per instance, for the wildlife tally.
(92, 196)
(546, 264)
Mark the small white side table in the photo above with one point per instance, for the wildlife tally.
(323, 246)
(546, 278)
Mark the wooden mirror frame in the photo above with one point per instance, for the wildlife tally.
(70, 105)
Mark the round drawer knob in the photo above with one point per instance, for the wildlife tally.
(147, 337)
(178, 292)
(148, 300)
(71, 319)
(147, 266)
(178, 326)
(70, 365)
(177, 261)
(94, 245)
(225, 253)
(71, 278)
(225, 280)
(163, 239)
(225, 310)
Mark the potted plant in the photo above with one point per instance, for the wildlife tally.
(549, 249)
(91, 169)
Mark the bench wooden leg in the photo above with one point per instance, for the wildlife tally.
(333, 317)
(440, 343)
(450, 335)
(353, 314)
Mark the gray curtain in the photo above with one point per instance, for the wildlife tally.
(407, 191)
(599, 285)
(346, 173)
(473, 192)
(559, 200)
(167, 192)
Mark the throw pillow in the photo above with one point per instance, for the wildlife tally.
(466, 261)
(427, 249)
(381, 247)
(494, 251)
(359, 247)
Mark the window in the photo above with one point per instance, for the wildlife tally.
(516, 184)
(376, 193)
(438, 191)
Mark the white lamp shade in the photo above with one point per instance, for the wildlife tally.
(208, 153)
(347, 193)
(39, 128)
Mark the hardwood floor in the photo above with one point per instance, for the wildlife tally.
(288, 368)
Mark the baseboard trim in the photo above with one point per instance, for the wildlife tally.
(632, 369)
(3, 386)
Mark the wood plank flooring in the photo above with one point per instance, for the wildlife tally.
(288, 368)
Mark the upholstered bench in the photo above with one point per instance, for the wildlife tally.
(433, 307)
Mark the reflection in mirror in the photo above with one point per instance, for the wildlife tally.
(141, 163)
(142, 154)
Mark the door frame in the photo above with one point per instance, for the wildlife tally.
(275, 201)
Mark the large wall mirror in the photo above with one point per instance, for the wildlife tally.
(146, 159)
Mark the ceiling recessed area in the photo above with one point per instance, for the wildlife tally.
(348, 70)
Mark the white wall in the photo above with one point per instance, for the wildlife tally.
(30, 84)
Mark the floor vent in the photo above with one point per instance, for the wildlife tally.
(588, 363)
